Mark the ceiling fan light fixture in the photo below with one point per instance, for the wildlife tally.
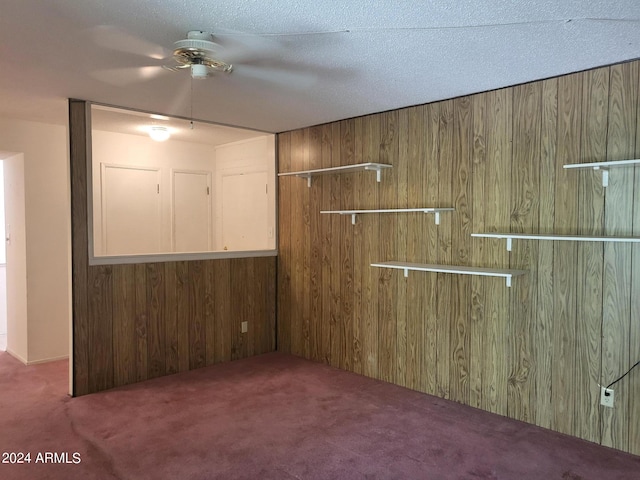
(159, 133)
(198, 71)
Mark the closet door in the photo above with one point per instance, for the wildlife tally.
(245, 211)
(191, 211)
(131, 210)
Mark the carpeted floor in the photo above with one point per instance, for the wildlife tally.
(274, 417)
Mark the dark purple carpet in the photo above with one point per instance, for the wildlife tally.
(275, 417)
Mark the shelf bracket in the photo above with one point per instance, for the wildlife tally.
(508, 280)
(406, 273)
(605, 176)
(509, 244)
(437, 218)
(353, 219)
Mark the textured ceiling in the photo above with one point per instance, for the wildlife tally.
(301, 62)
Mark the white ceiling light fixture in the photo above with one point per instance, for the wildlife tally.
(159, 133)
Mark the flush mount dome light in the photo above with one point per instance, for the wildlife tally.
(159, 133)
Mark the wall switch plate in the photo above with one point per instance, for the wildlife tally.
(244, 326)
(606, 397)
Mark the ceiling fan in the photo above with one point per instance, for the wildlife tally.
(198, 52)
(204, 54)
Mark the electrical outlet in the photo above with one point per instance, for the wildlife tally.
(244, 326)
(606, 397)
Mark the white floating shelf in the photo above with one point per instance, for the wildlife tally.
(456, 269)
(375, 167)
(571, 238)
(604, 166)
(353, 213)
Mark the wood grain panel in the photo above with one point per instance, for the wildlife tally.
(524, 218)
(414, 332)
(495, 364)
(634, 334)
(401, 168)
(315, 226)
(478, 324)
(172, 362)
(181, 282)
(387, 250)
(306, 250)
(430, 179)
(589, 273)
(565, 254)
(544, 320)
(370, 223)
(135, 322)
(124, 326)
(285, 223)
(444, 281)
(79, 246)
(197, 340)
(460, 340)
(358, 258)
(534, 351)
(347, 157)
(101, 329)
(142, 358)
(623, 98)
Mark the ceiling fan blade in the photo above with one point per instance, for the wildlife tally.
(285, 78)
(126, 76)
(239, 47)
(113, 38)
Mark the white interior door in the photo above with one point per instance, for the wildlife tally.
(245, 211)
(191, 211)
(131, 215)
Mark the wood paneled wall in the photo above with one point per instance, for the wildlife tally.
(536, 351)
(136, 322)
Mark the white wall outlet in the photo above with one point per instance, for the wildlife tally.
(244, 326)
(606, 397)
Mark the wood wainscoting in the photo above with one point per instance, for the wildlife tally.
(139, 321)
(536, 351)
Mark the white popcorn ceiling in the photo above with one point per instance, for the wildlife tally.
(365, 57)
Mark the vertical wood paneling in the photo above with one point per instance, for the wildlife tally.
(197, 351)
(524, 218)
(285, 224)
(544, 320)
(370, 223)
(478, 324)
(306, 250)
(172, 363)
(460, 250)
(497, 211)
(623, 98)
(315, 225)
(430, 179)
(101, 329)
(590, 222)
(537, 350)
(358, 259)
(135, 322)
(181, 282)
(346, 248)
(124, 326)
(565, 254)
(415, 334)
(445, 256)
(387, 250)
(80, 245)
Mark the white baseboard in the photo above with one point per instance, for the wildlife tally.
(17, 357)
(47, 360)
(36, 362)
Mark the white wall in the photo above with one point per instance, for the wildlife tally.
(253, 155)
(137, 150)
(47, 234)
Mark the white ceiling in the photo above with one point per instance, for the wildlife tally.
(365, 56)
